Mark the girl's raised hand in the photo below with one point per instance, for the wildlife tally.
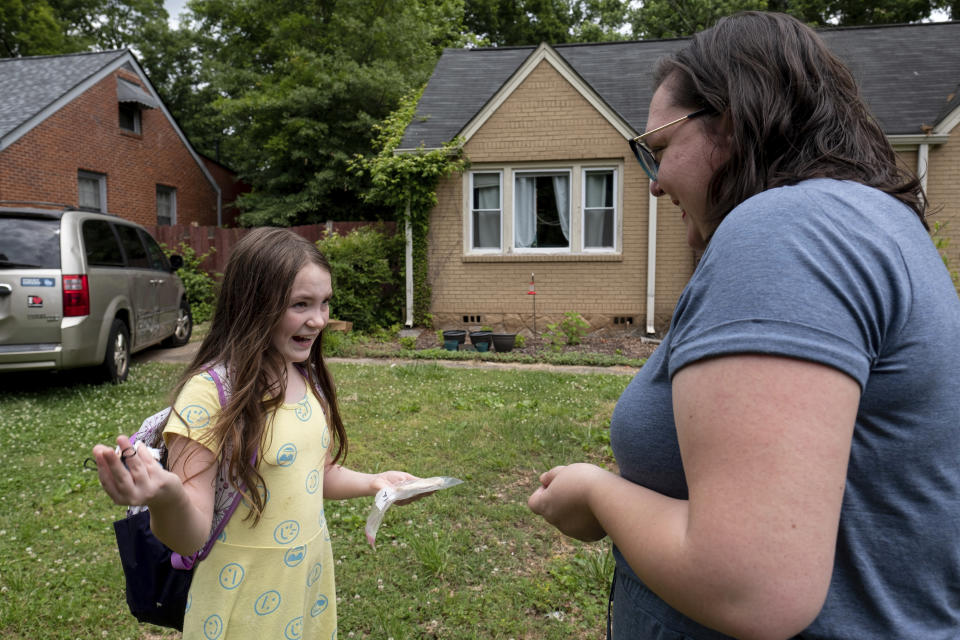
(134, 477)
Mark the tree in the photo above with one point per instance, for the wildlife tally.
(111, 24)
(47, 27)
(32, 28)
(530, 22)
(299, 87)
(673, 18)
(407, 184)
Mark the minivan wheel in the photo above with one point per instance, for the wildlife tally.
(181, 335)
(116, 361)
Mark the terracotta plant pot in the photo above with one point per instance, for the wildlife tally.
(503, 342)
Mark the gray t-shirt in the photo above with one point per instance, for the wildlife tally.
(843, 275)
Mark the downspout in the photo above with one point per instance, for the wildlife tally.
(409, 265)
(923, 159)
(651, 259)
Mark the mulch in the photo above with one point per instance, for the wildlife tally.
(630, 343)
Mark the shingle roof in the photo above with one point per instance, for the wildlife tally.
(908, 74)
(29, 85)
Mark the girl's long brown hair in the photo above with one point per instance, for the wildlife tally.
(253, 297)
(793, 108)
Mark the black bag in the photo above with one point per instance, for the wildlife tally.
(156, 591)
(158, 579)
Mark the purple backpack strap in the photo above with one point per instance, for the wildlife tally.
(180, 562)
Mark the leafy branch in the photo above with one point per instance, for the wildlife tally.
(407, 181)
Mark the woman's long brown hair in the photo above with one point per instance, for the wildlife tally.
(253, 297)
(793, 109)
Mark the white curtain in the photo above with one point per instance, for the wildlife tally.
(561, 189)
(597, 210)
(525, 214)
(486, 205)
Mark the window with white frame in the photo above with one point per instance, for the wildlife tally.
(547, 209)
(486, 198)
(166, 205)
(92, 191)
(599, 209)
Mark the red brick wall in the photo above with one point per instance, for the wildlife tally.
(230, 188)
(85, 135)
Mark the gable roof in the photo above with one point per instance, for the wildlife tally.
(908, 74)
(33, 88)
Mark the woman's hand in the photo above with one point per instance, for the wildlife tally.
(563, 500)
(134, 477)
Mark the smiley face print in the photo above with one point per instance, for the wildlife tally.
(213, 627)
(286, 532)
(267, 603)
(313, 481)
(319, 606)
(231, 576)
(286, 455)
(294, 556)
(294, 629)
(303, 410)
(315, 572)
(195, 416)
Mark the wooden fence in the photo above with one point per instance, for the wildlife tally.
(202, 239)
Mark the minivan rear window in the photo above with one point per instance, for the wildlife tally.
(29, 243)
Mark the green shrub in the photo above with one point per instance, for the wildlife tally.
(569, 331)
(367, 285)
(200, 285)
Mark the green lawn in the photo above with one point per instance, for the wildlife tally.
(468, 562)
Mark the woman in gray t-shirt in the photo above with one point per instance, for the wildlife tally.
(790, 456)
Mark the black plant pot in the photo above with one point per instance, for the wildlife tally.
(503, 342)
(480, 337)
(459, 335)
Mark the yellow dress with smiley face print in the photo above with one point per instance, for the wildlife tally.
(275, 579)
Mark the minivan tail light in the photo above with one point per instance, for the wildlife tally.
(76, 296)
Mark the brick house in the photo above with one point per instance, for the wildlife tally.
(89, 130)
(554, 190)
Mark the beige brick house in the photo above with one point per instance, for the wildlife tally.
(89, 130)
(554, 190)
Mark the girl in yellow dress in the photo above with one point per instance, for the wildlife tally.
(279, 438)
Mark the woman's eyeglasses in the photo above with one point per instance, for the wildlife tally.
(645, 154)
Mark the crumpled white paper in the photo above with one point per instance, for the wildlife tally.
(388, 495)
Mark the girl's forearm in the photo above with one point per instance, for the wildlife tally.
(179, 524)
(341, 483)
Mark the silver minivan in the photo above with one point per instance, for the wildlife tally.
(84, 289)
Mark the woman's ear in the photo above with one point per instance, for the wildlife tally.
(725, 127)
